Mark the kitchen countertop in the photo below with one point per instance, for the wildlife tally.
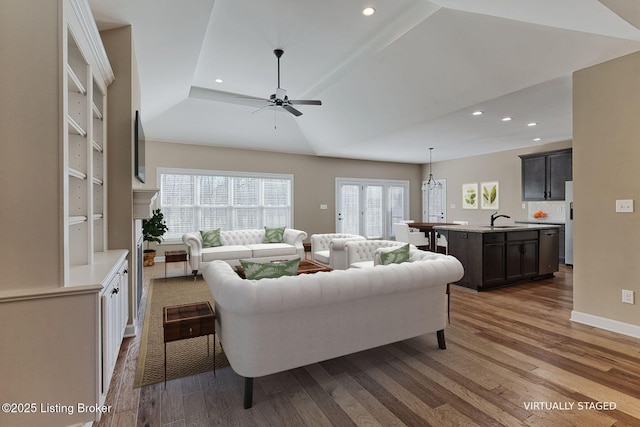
(498, 228)
(540, 222)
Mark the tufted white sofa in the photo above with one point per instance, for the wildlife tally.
(361, 253)
(244, 244)
(273, 325)
(328, 249)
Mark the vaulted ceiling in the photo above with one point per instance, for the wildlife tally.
(392, 84)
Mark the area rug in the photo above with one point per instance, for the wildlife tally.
(185, 357)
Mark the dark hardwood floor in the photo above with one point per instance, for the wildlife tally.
(513, 358)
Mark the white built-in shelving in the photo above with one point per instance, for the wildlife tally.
(85, 149)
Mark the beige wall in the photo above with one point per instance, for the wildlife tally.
(31, 178)
(314, 177)
(118, 44)
(504, 167)
(123, 100)
(606, 153)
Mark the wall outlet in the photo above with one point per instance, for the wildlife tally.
(453, 206)
(524, 206)
(624, 205)
(627, 296)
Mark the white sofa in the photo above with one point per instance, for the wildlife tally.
(328, 249)
(244, 244)
(361, 253)
(273, 325)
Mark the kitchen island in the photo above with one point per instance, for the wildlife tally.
(501, 255)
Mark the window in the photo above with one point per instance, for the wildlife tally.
(370, 207)
(194, 200)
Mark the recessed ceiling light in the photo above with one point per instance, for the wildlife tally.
(537, 139)
(506, 119)
(218, 80)
(532, 124)
(368, 11)
(477, 113)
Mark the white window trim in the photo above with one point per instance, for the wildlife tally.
(208, 172)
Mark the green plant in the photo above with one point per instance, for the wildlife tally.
(154, 228)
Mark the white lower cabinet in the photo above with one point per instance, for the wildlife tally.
(114, 315)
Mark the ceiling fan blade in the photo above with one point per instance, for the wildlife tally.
(262, 108)
(305, 102)
(228, 97)
(292, 110)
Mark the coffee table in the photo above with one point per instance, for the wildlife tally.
(306, 266)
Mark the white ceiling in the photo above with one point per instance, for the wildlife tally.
(392, 85)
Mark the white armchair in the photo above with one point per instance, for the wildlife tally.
(402, 233)
(328, 249)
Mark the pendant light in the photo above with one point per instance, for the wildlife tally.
(431, 183)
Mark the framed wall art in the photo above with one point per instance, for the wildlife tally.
(490, 195)
(470, 196)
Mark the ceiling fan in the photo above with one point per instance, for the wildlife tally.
(280, 98)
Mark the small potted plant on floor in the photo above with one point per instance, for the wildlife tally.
(152, 231)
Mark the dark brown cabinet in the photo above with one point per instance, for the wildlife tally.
(522, 255)
(494, 259)
(544, 174)
(501, 258)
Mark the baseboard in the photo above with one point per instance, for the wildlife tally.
(130, 331)
(606, 324)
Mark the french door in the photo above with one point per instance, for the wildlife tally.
(370, 207)
(434, 199)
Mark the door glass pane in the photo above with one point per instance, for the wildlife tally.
(350, 212)
(396, 204)
(373, 211)
(437, 199)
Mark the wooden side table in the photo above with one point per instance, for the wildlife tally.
(175, 256)
(188, 321)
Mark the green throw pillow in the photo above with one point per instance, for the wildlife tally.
(269, 270)
(211, 238)
(273, 235)
(395, 256)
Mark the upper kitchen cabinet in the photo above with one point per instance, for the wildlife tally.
(544, 174)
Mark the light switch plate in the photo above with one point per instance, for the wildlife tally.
(624, 205)
(323, 207)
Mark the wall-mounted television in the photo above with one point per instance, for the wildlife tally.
(139, 148)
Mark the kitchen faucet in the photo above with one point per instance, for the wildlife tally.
(494, 217)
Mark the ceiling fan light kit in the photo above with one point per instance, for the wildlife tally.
(280, 98)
